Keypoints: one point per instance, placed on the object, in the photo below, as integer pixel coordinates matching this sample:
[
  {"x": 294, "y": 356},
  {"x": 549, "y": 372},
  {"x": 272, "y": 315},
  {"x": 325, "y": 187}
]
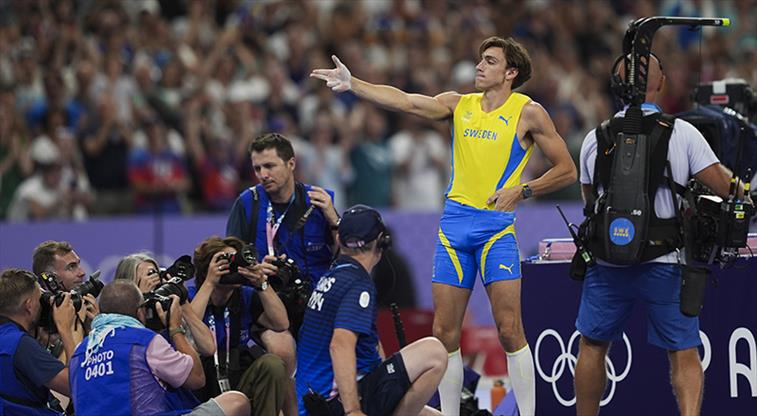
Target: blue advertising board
[{"x": 638, "y": 374}]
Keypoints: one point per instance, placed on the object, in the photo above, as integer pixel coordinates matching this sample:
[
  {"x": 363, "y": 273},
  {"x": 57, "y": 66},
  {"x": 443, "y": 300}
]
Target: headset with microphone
[{"x": 384, "y": 238}]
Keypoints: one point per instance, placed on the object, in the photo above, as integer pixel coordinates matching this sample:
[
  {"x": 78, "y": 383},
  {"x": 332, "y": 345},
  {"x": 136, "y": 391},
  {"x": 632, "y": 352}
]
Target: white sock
[
  {"x": 520, "y": 367},
  {"x": 451, "y": 386}
]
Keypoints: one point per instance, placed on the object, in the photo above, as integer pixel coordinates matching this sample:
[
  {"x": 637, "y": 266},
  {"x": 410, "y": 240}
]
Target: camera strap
[
  {"x": 273, "y": 224},
  {"x": 222, "y": 375}
]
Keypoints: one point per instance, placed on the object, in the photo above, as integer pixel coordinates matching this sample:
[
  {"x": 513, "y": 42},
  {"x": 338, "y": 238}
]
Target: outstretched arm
[{"x": 340, "y": 79}]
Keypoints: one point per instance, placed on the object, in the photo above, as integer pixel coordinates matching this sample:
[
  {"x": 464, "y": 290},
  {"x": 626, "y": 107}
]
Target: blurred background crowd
[{"x": 144, "y": 106}]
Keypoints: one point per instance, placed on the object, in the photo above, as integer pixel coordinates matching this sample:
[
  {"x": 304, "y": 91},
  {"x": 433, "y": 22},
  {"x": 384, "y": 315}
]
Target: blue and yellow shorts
[{"x": 473, "y": 240}]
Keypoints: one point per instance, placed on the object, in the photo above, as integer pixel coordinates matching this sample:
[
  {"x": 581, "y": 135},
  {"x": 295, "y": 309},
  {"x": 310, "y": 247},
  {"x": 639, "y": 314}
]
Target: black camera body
[
  {"x": 245, "y": 258},
  {"x": 161, "y": 294},
  {"x": 53, "y": 291},
  {"x": 718, "y": 228},
  {"x": 182, "y": 269},
  {"x": 293, "y": 289},
  {"x": 287, "y": 273}
]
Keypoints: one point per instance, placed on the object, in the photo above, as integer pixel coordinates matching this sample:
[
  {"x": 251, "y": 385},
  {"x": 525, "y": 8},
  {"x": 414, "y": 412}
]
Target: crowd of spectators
[{"x": 147, "y": 106}]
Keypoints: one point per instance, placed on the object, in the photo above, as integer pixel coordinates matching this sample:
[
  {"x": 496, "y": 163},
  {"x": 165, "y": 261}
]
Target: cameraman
[
  {"x": 610, "y": 290},
  {"x": 338, "y": 351},
  {"x": 230, "y": 310},
  {"x": 27, "y": 370},
  {"x": 132, "y": 365},
  {"x": 144, "y": 271},
  {"x": 278, "y": 216}
]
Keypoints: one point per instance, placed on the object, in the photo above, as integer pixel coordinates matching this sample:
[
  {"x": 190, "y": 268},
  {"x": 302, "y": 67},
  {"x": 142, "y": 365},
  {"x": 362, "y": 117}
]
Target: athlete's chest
[{"x": 478, "y": 129}]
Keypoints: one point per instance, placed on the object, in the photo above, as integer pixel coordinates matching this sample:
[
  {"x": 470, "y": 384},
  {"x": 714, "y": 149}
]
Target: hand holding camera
[
  {"x": 63, "y": 313},
  {"x": 90, "y": 308},
  {"x": 172, "y": 285},
  {"x": 257, "y": 275},
  {"x": 240, "y": 266},
  {"x": 149, "y": 282},
  {"x": 53, "y": 294},
  {"x": 175, "y": 312},
  {"x": 218, "y": 268}
]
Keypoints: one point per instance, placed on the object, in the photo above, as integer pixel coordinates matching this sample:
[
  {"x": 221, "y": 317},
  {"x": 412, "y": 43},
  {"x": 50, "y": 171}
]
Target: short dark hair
[
  {"x": 44, "y": 254},
  {"x": 15, "y": 286},
  {"x": 276, "y": 141},
  {"x": 204, "y": 253},
  {"x": 516, "y": 55},
  {"x": 121, "y": 297}
]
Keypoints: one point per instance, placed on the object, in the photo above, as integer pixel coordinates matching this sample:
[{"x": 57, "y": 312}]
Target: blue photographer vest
[
  {"x": 309, "y": 246},
  {"x": 112, "y": 375},
  {"x": 15, "y": 397}
]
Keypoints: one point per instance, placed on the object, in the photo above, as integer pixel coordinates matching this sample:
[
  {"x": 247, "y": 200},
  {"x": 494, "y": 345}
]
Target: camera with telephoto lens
[
  {"x": 181, "y": 270},
  {"x": 53, "y": 291},
  {"x": 245, "y": 258},
  {"x": 293, "y": 290}
]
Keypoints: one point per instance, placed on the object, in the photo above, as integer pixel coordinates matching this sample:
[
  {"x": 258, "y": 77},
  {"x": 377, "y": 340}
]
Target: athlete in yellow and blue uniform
[
  {"x": 486, "y": 156},
  {"x": 494, "y": 134}
]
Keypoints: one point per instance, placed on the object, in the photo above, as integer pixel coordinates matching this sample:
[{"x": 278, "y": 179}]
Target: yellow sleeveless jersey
[{"x": 486, "y": 154}]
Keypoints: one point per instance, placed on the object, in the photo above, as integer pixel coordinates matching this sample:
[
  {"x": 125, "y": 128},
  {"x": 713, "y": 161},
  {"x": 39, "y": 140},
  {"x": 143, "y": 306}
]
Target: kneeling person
[
  {"x": 338, "y": 351},
  {"x": 123, "y": 368}
]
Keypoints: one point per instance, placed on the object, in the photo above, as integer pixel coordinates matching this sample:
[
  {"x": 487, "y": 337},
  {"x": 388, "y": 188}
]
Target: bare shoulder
[
  {"x": 449, "y": 99},
  {"x": 535, "y": 119},
  {"x": 533, "y": 112}
]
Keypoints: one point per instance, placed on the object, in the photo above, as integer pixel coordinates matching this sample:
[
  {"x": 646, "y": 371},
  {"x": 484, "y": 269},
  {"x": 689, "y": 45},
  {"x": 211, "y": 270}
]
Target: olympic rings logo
[{"x": 567, "y": 357}]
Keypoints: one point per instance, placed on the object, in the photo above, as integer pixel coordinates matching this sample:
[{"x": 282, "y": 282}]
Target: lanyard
[
  {"x": 272, "y": 224},
  {"x": 212, "y": 325}
]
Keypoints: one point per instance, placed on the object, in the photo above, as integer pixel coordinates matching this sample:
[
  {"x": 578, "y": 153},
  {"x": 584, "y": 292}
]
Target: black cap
[{"x": 359, "y": 226}]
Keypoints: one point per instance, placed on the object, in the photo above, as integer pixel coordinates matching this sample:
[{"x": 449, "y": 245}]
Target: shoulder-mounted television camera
[{"x": 718, "y": 227}]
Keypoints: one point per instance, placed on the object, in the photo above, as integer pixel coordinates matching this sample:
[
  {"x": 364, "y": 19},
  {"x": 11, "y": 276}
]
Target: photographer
[
  {"x": 338, "y": 351},
  {"x": 230, "y": 310},
  {"x": 123, "y": 368},
  {"x": 141, "y": 269},
  {"x": 611, "y": 289},
  {"x": 278, "y": 216},
  {"x": 144, "y": 271},
  {"x": 59, "y": 257},
  {"x": 28, "y": 372}
]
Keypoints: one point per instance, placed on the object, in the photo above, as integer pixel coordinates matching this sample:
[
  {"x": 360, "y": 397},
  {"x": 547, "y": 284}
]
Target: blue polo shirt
[{"x": 345, "y": 297}]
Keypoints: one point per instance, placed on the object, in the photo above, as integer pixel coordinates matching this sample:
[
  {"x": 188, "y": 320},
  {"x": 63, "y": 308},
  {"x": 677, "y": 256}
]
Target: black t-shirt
[{"x": 279, "y": 208}]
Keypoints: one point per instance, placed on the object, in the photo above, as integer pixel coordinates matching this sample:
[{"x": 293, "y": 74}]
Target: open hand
[{"x": 338, "y": 79}]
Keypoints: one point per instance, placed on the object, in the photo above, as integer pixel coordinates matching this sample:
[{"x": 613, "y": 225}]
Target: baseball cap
[{"x": 360, "y": 225}]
